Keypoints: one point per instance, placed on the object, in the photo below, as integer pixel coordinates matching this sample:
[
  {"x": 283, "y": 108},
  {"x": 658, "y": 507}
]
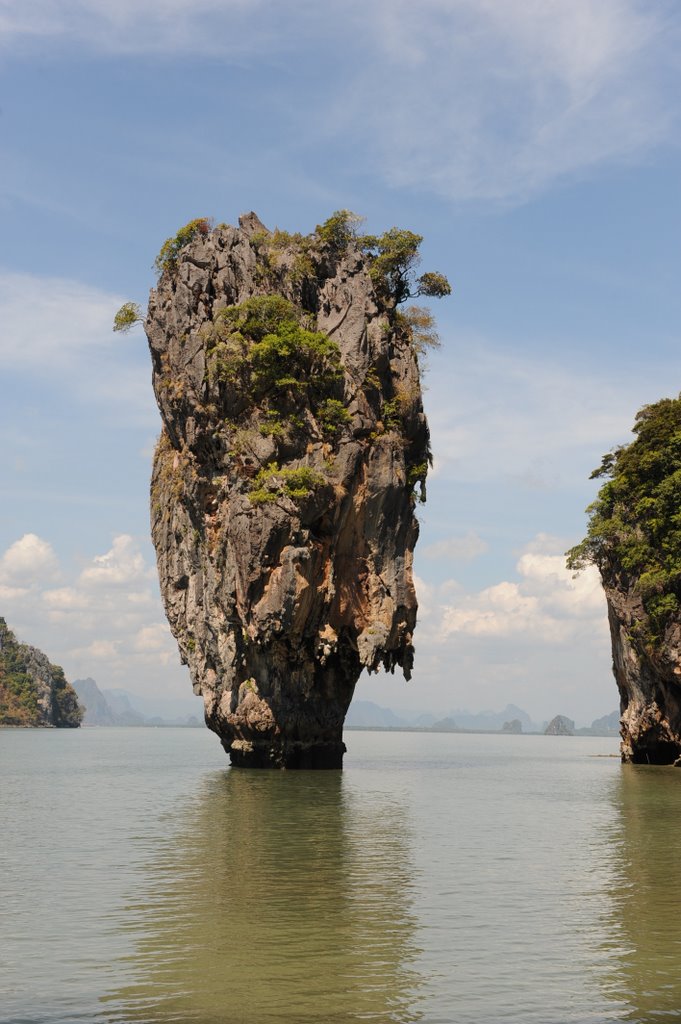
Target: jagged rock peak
[
  {"x": 294, "y": 447},
  {"x": 33, "y": 691}
]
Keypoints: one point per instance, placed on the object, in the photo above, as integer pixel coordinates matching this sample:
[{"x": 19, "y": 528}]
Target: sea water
[{"x": 438, "y": 878}]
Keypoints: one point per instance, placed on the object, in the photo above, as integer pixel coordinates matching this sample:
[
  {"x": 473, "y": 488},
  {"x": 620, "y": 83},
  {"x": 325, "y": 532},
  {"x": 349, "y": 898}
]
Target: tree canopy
[
  {"x": 634, "y": 529},
  {"x": 393, "y": 257}
]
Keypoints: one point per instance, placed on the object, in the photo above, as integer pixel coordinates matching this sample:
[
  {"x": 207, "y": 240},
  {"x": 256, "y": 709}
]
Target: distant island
[
  {"x": 121, "y": 709},
  {"x": 512, "y": 720},
  {"x": 34, "y": 693}
]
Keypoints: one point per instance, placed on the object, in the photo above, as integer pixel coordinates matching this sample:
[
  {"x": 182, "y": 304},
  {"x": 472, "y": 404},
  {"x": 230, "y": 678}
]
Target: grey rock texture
[
  {"x": 648, "y": 678},
  {"x": 278, "y": 606}
]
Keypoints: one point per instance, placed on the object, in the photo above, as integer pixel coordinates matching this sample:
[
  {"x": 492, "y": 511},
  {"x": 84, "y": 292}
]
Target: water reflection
[
  {"x": 645, "y": 903},
  {"x": 281, "y": 897}
]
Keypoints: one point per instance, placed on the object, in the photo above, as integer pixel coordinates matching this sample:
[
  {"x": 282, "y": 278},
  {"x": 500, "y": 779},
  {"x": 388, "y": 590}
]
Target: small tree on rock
[{"x": 127, "y": 316}]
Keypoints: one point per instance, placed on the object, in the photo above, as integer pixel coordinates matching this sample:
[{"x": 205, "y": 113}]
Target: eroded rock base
[
  {"x": 290, "y": 756},
  {"x": 645, "y": 742},
  {"x": 650, "y": 694}
]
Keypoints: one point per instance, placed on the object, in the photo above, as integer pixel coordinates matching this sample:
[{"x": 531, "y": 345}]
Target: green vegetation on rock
[
  {"x": 273, "y": 483},
  {"x": 634, "y": 532},
  {"x": 167, "y": 257},
  {"x": 273, "y": 375},
  {"x": 393, "y": 257},
  {"x": 127, "y": 316},
  {"x": 265, "y": 349},
  {"x": 33, "y": 692}
]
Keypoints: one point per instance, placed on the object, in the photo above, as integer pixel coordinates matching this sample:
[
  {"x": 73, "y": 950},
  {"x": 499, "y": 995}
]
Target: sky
[{"x": 535, "y": 146}]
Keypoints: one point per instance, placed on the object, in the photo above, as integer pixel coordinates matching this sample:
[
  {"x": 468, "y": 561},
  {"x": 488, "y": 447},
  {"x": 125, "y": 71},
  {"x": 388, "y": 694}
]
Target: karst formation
[
  {"x": 634, "y": 538},
  {"x": 293, "y": 451}
]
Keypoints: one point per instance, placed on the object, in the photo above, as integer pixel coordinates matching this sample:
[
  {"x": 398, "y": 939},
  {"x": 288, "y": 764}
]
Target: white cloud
[
  {"x": 496, "y": 100},
  {"x": 122, "y": 565},
  {"x": 105, "y": 621},
  {"x": 547, "y": 605},
  {"x": 66, "y": 599},
  {"x": 472, "y": 99},
  {"x": 463, "y": 549},
  {"x": 152, "y": 638},
  {"x": 537, "y": 638},
  {"x": 10, "y": 594},
  {"x": 49, "y": 321},
  {"x": 156, "y": 643},
  {"x": 497, "y": 415},
  {"x": 28, "y": 560},
  {"x": 62, "y": 330},
  {"x": 160, "y": 26},
  {"x": 98, "y": 650}
]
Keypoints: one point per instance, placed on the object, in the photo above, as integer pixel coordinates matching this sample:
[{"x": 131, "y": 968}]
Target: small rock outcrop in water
[
  {"x": 560, "y": 726},
  {"x": 33, "y": 692},
  {"x": 294, "y": 447},
  {"x": 634, "y": 538}
]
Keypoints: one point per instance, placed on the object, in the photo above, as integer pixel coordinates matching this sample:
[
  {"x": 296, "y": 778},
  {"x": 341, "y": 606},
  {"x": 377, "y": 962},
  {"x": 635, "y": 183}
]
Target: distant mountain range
[
  {"x": 122, "y": 708},
  {"x": 364, "y": 714}
]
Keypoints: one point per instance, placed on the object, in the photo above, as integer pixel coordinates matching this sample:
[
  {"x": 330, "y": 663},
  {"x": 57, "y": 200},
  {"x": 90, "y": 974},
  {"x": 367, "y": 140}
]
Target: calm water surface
[{"x": 439, "y": 878}]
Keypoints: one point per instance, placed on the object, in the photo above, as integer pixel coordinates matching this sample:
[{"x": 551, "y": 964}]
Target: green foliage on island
[
  {"x": 392, "y": 256},
  {"x": 339, "y": 230},
  {"x": 274, "y": 375},
  {"x": 20, "y": 690},
  {"x": 265, "y": 349},
  {"x": 331, "y": 415},
  {"x": 634, "y": 532}
]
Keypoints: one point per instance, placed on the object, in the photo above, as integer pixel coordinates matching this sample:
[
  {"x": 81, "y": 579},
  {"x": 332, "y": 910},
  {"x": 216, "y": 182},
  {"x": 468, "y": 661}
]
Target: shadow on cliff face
[
  {"x": 642, "y": 916},
  {"x": 285, "y": 897}
]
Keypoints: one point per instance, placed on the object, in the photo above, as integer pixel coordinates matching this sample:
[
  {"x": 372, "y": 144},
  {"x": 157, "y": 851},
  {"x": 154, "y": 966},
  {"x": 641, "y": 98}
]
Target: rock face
[
  {"x": 33, "y": 692},
  {"x": 648, "y": 678},
  {"x": 283, "y": 488}
]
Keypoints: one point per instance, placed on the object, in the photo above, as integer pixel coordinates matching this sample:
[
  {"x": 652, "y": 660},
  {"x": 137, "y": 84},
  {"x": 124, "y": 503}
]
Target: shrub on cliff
[
  {"x": 167, "y": 257},
  {"x": 393, "y": 257},
  {"x": 272, "y": 483},
  {"x": 634, "y": 532},
  {"x": 264, "y": 346},
  {"x": 127, "y": 316}
]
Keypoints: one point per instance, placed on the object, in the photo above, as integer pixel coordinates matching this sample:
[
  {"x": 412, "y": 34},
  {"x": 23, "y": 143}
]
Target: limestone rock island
[
  {"x": 634, "y": 538},
  {"x": 293, "y": 450},
  {"x": 33, "y": 692}
]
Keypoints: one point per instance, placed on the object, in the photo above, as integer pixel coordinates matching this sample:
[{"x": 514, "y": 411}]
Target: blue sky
[{"x": 533, "y": 143}]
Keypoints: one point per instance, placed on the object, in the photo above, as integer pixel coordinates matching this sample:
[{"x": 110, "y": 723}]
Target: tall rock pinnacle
[
  {"x": 294, "y": 447},
  {"x": 634, "y": 539}
]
